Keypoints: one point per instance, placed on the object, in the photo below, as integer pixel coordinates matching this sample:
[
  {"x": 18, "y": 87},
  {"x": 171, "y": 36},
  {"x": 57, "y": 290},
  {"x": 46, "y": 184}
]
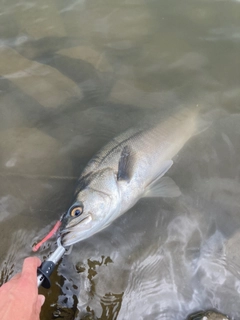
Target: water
[{"x": 75, "y": 74}]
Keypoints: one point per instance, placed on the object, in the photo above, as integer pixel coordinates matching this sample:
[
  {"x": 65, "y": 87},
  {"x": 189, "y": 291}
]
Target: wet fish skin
[{"x": 127, "y": 168}]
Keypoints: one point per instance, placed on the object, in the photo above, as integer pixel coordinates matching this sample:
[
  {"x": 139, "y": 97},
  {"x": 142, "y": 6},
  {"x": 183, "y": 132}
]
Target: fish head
[{"x": 94, "y": 206}]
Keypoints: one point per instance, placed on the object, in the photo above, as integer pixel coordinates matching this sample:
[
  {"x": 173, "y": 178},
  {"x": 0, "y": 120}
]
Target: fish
[{"x": 131, "y": 166}]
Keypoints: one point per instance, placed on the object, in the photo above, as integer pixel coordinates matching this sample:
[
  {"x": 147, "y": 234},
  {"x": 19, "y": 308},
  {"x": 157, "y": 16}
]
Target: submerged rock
[
  {"x": 108, "y": 24},
  {"x": 207, "y": 315},
  {"x": 43, "y": 83},
  {"x": 39, "y": 19},
  {"x": 96, "y": 58},
  {"x": 127, "y": 92},
  {"x": 94, "y": 84},
  {"x": 43, "y": 47},
  {"x": 30, "y": 151},
  {"x": 11, "y": 114},
  {"x": 10, "y": 206}
]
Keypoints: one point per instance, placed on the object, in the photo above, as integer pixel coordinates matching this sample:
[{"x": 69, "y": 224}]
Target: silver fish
[{"x": 129, "y": 167}]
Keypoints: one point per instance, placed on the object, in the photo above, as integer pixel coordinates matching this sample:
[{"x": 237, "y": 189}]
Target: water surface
[{"x": 73, "y": 75}]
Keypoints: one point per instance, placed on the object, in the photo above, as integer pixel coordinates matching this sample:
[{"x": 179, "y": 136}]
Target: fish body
[{"x": 129, "y": 167}]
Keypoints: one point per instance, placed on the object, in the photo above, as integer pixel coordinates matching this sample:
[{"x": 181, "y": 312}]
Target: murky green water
[{"x": 73, "y": 75}]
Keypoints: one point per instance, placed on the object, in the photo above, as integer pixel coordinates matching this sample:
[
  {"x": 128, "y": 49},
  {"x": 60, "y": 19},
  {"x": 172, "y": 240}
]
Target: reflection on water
[{"x": 74, "y": 74}]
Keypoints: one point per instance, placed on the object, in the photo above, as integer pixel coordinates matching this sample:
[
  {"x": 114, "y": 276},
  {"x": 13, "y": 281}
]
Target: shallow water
[{"x": 73, "y": 75}]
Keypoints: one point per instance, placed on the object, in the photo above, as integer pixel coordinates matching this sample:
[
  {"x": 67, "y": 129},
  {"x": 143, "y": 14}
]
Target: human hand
[{"x": 19, "y": 298}]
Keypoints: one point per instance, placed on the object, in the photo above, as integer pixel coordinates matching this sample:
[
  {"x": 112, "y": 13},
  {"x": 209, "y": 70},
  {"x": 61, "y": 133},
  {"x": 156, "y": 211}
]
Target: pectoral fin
[
  {"x": 165, "y": 187},
  {"x": 125, "y": 165},
  {"x": 162, "y": 186}
]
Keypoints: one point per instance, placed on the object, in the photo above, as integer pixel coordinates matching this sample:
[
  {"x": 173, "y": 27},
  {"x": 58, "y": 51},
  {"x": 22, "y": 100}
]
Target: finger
[
  {"x": 30, "y": 265},
  {"x": 29, "y": 271}
]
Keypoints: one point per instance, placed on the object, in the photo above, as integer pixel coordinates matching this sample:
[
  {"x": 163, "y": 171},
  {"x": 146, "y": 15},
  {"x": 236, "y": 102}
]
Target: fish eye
[{"x": 75, "y": 212}]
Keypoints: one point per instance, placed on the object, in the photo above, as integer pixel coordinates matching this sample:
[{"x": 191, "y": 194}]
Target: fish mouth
[
  {"x": 83, "y": 220},
  {"x": 77, "y": 231},
  {"x": 76, "y": 226}
]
